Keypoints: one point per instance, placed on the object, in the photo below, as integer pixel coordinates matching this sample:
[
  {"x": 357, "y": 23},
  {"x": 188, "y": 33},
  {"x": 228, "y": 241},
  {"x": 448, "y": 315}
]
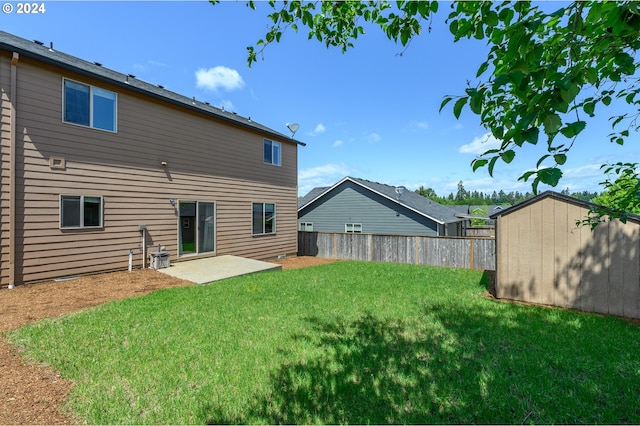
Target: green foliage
[
  {"x": 546, "y": 71},
  {"x": 479, "y": 198},
  {"x": 621, "y": 196},
  {"x": 479, "y": 211},
  {"x": 429, "y": 193}
]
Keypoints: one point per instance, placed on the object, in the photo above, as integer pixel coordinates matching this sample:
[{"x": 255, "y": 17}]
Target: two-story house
[{"x": 96, "y": 164}]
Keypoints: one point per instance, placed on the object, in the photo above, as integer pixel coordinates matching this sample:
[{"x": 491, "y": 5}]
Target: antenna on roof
[{"x": 293, "y": 128}]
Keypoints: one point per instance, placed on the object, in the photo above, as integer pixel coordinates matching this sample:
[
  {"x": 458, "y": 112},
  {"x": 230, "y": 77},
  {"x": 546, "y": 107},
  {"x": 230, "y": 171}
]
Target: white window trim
[
  {"x": 273, "y": 143},
  {"x": 82, "y": 226},
  {"x": 304, "y": 225},
  {"x": 275, "y": 213},
  {"x": 90, "y": 126},
  {"x": 353, "y": 227}
]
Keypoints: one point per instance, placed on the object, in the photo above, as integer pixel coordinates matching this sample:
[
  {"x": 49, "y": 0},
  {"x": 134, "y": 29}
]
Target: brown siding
[
  {"x": 5, "y": 129},
  {"x": 544, "y": 257},
  {"x": 208, "y": 160}
]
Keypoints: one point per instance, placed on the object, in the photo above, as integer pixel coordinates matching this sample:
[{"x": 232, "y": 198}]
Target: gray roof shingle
[{"x": 418, "y": 203}]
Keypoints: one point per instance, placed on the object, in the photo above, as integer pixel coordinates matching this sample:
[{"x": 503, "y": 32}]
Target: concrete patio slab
[{"x": 217, "y": 268}]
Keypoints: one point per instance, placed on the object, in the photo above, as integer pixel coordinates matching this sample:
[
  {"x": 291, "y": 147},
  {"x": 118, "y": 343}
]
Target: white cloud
[
  {"x": 586, "y": 171},
  {"x": 226, "y": 104},
  {"x": 374, "y": 137},
  {"x": 586, "y": 177},
  {"x": 324, "y": 175},
  {"x": 319, "y": 129},
  {"x": 480, "y": 144},
  {"x": 338, "y": 143},
  {"x": 422, "y": 125},
  {"x": 139, "y": 68},
  {"x": 219, "y": 77},
  {"x": 143, "y": 68},
  {"x": 157, "y": 64}
]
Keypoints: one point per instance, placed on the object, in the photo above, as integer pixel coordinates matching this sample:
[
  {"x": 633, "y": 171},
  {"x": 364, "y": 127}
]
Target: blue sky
[{"x": 369, "y": 113}]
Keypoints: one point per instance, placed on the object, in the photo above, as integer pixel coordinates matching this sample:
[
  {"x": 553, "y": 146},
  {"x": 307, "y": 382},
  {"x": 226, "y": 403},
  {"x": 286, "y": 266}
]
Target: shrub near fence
[{"x": 455, "y": 252}]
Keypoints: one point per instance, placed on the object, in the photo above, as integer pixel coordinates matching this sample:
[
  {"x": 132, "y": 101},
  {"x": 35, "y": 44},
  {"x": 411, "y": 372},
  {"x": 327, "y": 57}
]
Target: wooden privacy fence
[
  {"x": 455, "y": 252},
  {"x": 481, "y": 231}
]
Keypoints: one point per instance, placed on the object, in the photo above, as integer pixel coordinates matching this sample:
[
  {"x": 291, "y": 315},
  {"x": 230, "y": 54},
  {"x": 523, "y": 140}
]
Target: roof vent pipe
[{"x": 50, "y": 46}]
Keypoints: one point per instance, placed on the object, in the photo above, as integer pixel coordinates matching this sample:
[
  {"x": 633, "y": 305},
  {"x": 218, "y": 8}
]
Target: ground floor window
[
  {"x": 355, "y": 228},
  {"x": 263, "y": 218},
  {"x": 197, "y": 227},
  {"x": 80, "y": 211},
  {"x": 306, "y": 226}
]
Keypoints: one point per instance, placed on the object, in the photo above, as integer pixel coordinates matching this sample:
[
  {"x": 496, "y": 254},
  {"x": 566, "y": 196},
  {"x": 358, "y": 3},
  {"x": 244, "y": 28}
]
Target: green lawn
[{"x": 350, "y": 342}]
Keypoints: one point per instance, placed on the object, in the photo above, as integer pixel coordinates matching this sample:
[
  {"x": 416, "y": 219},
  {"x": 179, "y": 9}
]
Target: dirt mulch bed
[{"x": 33, "y": 393}]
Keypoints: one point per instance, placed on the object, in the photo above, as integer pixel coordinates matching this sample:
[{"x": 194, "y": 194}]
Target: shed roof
[
  {"x": 40, "y": 52},
  {"x": 556, "y": 196},
  {"x": 422, "y": 205}
]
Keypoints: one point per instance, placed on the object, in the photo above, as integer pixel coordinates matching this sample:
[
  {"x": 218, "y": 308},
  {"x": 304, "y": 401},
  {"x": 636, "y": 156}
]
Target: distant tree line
[{"x": 477, "y": 198}]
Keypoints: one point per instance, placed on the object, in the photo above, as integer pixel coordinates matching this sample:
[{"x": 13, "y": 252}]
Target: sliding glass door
[{"x": 196, "y": 227}]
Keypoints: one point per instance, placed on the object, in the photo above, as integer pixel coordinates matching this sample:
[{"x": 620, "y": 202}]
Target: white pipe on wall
[{"x": 144, "y": 248}]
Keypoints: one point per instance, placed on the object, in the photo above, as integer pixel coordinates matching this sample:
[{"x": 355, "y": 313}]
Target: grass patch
[
  {"x": 188, "y": 247},
  {"x": 350, "y": 342}
]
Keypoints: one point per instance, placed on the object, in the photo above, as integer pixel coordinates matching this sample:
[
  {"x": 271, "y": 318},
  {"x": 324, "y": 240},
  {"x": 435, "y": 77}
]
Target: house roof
[
  {"x": 311, "y": 195},
  {"x": 557, "y": 196},
  {"x": 409, "y": 199},
  {"x": 48, "y": 55}
]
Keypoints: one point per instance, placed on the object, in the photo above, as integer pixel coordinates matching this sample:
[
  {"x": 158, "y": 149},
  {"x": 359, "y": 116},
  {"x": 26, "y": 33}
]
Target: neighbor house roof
[
  {"x": 557, "y": 196},
  {"x": 409, "y": 199},
  {"x": 47, "y": 54},
  {"x": 312, "y": 195}
]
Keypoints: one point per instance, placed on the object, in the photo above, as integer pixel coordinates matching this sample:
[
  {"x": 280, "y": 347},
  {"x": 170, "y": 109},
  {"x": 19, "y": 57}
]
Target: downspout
[{"x": 12, "y": 170}]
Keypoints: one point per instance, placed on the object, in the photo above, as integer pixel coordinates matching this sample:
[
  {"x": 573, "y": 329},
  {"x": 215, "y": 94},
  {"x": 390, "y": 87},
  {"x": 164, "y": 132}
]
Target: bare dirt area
[{"x": 33, "y": 393}]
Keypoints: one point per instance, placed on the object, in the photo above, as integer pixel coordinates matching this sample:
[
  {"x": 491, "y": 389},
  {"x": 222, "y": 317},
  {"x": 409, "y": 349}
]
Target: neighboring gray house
[{"x": 361, "y": 206}]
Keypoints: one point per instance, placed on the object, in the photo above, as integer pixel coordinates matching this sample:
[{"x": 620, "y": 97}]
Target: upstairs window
[
  {"x": 89, "y": 106},
  {"x": 264, "y": 218},
  {"x": 272, "y": 152},
  {"x": 80, "y": 211}
]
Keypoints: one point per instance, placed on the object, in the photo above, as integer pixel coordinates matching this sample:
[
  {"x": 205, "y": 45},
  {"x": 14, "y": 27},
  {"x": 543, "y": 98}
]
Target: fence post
[
  {"x": 471, "y": 254},
  {"x": 370, "y": 254}
]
